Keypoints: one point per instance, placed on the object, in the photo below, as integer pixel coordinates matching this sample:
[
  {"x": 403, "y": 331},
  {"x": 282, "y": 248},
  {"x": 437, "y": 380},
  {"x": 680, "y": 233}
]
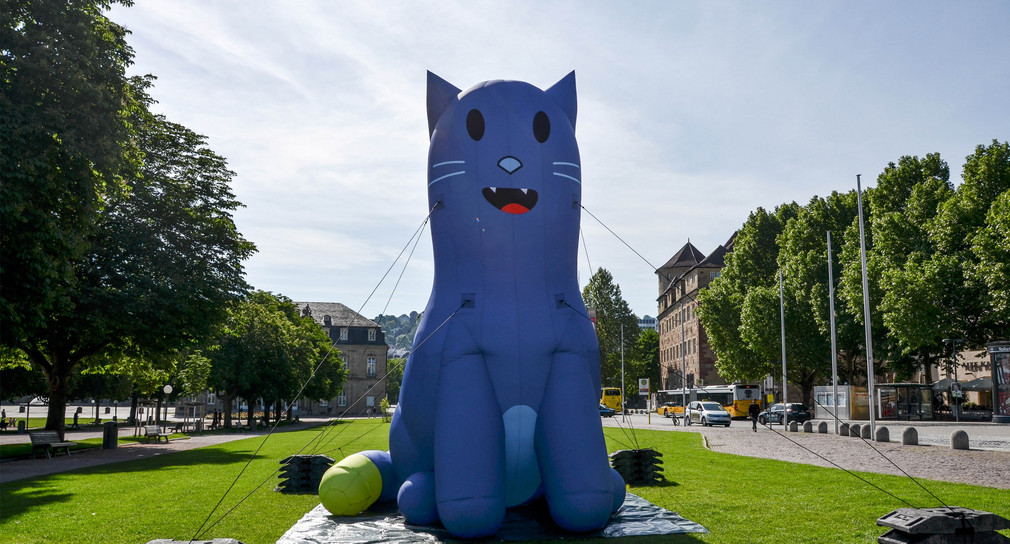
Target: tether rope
[
  {"x": 832, "y": 463},
  {"x": 200, "y": 530},
  {"x": 868, "y": 443}
]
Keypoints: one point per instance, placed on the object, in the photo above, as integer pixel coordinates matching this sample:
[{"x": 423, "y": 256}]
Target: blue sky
[{"x": 691, "y": 115}]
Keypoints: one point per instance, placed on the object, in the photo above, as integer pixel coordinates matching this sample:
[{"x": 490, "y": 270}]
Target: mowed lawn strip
[
  {"x": 739, "y": 499},
  {"x": 170, "y": 496}
]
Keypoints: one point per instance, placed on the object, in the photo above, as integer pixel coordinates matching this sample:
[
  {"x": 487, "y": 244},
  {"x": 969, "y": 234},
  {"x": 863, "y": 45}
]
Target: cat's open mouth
[{"x": 517, "y": 201}]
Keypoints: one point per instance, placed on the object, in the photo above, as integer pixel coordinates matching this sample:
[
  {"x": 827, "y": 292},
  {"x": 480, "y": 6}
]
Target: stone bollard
[
  {"x": 883, "y": 435},
  {"x": 865, "y": 432},
  {"x": 822, "y": 427},
  {"x": 808, "y": 427},
  {"x": 854, "y": 430},
  {"x": 843, "y": 429},
  {"x": 910, "y": 437},
  {"x": 793, "y": 426},
  {"x": 959, "y": 440}
]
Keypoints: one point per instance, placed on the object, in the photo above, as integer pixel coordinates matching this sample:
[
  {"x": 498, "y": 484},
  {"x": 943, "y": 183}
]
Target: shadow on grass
[{"x": 23, "y": 495}]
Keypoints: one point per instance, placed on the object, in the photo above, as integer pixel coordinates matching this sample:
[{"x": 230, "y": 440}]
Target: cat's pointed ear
[
  {"x": 563, "y": 92},
  {"x": 441, "y": 93}
]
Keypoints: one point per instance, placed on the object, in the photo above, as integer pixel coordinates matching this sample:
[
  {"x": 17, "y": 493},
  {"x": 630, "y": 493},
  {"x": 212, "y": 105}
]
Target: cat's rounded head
[{"x": 504, "y": 147}]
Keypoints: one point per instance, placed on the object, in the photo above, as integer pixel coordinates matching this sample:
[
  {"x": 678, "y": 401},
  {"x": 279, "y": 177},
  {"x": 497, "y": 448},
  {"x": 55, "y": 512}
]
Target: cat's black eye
[
  {"x": 541, "y": 127},
  {"x": 475, "y": 125}
]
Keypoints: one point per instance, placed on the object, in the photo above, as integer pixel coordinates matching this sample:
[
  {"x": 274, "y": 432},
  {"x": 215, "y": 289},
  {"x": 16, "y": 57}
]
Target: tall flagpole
[
  {"x": 624, "y": 401},
  {"x": 683, "y": 370},
  {"x": 782, "y": 322},
  {"x": 866, "y": 314},
  {"x": 834, "y": 350}
]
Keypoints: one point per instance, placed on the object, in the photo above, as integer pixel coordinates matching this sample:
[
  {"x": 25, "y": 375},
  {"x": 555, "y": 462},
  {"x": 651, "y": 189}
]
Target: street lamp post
[{"x": 168, "y": 391}]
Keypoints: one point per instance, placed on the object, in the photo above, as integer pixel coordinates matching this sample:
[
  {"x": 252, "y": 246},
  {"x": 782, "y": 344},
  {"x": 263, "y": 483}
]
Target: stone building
[
  {"x": 682, "y": 339},
  {"x": 363, "y": 348}
]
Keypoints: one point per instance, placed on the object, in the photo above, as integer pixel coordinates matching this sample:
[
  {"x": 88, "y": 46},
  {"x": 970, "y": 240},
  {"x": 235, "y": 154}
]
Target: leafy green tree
[
  {"x": 162, "y": 261},
  {"x": 985, "y": 178},
  {"x": 730, "y": 309},
  {"x": 612, "y": 311},
  {"x": 803, "y": 260},
  {"x": 65, "y": 141},
  {"x": 903, "y": 205},
  {"x": 645, "y": 358},
  {"x": 991, "y": 246},
  {"x": 18, "y": 377},
  {"x": 267, "y": 350},
  {"x": 394, "y": 378}
]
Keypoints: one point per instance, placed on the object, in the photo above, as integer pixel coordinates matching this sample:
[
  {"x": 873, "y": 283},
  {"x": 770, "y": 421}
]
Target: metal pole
[
  {"x": 782, "y": 323},
  {"x": 834, "y": 351},
  {"x": 683, "y": 373},
  {"x": 624, "y": 401},
  {"x": 866, "y": 314},
  {"x": 957, "y": 401}
]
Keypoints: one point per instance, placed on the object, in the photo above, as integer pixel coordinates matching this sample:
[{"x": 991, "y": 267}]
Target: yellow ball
[{"x": 350, "y": 486}]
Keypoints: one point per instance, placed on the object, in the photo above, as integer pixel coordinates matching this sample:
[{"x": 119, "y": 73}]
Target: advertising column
[{"x": 999, "y": 353}]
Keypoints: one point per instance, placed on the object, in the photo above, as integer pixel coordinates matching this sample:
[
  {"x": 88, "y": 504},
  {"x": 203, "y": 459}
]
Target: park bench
[
  {"x": 154, "y": 431},
  {"x": 49, "y": 441}
]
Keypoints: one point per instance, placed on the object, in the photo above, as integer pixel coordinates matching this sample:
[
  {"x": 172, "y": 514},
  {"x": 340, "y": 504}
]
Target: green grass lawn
[{"x": 739, "y": 499}]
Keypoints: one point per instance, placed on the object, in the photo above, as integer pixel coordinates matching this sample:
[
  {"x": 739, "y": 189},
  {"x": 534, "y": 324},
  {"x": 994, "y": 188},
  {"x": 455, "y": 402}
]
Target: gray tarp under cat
[{"x": 637, "y": 517}]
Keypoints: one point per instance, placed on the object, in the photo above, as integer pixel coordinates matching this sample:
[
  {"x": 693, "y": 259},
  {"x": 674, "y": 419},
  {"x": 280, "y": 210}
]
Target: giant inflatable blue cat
[{"x": 499, "y": 399}]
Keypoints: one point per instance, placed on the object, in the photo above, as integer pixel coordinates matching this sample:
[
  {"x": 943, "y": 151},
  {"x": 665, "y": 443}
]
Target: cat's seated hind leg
[
  {"x": 469, "y": 449},
  {"x": 578, "y": 481}
]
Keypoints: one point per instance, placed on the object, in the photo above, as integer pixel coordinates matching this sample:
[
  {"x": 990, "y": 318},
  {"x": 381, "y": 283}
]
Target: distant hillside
[{"x": 399, "y": 330}]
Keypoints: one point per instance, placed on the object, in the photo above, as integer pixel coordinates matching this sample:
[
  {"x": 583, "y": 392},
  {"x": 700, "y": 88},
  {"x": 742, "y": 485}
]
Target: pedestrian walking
[{"x": 753, "y": 410}]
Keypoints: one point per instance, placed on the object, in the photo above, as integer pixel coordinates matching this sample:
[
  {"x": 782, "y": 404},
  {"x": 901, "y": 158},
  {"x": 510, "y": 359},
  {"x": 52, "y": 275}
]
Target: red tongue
[{"x": 515, "y": 208}]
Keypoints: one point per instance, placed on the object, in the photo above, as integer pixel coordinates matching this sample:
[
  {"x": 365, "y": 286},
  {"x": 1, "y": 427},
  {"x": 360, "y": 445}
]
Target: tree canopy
[
  {"x": 937, "y": 268},
  {"x": 612, "y": 312},
  {"x": 267, "y": 350},
  {"x": 118, "y": 235}
]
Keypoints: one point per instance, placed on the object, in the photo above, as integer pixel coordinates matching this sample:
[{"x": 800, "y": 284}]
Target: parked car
[
  {"x": 707, "y": 413},
  {"x": 606, "y": 411},
  {"x": 795, "y": 412}
]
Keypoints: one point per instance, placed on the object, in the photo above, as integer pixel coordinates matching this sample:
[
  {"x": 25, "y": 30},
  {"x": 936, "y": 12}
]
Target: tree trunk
[
  {"x": 134, "y": 402},
  {"x": 226, "y": 400},
  {"x": 157, "y": 412},
  {"x": 56, "y": 420}
]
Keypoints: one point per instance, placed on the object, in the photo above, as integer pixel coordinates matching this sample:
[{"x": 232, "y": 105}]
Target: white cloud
[{"x": 691, "y": 114}]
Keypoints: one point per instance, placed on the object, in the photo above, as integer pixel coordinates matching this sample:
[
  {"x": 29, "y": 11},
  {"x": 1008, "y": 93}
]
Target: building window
[
  {"x": 346, "y": 367},
  {"x": 371, "y": 335},
  {"x": 370, "y": 369},
  {"x": 370, "y": 402},
  {"x": 343, "y": 334},
  {"x": 342, "y": 399}
]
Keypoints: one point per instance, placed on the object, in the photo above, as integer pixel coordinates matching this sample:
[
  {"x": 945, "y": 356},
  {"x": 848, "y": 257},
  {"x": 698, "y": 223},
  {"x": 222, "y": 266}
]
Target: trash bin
[
  {"x": 110, "y": 435},
  {"x": 21, "y": 427}
]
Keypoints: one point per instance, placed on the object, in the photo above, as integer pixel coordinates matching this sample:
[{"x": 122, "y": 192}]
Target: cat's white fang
[
  {"x": 494, "y": 189},
  {"x": 524, "y": 190}
]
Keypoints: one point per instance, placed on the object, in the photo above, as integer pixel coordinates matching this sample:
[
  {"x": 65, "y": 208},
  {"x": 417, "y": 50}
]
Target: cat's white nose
[{"x": 509, "y": 164}]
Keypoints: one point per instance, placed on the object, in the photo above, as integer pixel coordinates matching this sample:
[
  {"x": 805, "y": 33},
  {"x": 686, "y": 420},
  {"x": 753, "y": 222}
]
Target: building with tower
[{"x": 684, "y": 351}]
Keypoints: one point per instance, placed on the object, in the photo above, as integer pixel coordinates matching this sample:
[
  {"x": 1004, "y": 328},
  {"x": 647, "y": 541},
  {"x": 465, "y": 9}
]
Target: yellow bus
[
  {"x": 735, "y": 398},
  {"x": 611, "y": 397}
]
